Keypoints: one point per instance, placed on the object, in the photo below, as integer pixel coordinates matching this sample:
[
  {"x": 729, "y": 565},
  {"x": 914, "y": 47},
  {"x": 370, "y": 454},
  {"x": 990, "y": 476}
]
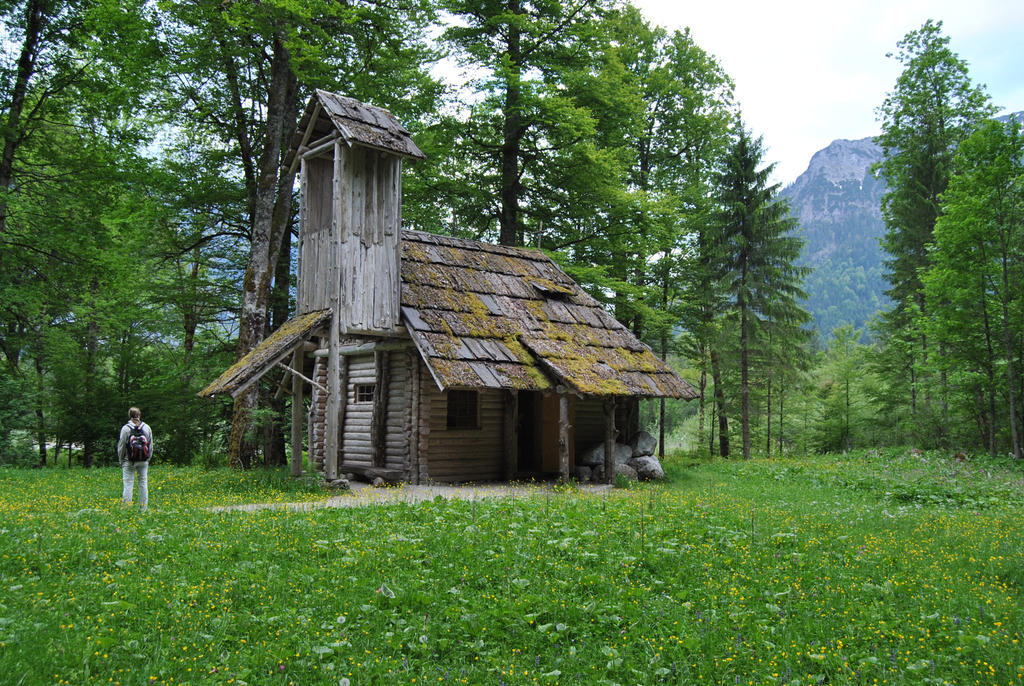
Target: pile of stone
[{"x": 636, "y": 461}]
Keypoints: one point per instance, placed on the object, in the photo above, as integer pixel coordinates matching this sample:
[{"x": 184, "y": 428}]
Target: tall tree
[
  {"x": 759, "y": 251},
  {"x": 521, "y": 47},
  {"x": 933, "y": 107},
  {"x": 977, "y": 266}
]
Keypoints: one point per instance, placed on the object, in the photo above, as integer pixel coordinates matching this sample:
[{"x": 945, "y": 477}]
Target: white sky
[{"x": 810, "y": 71}]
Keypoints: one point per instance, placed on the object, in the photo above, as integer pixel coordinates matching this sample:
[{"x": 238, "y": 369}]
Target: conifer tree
[
  {"x": 933, "y": 107},
  {"x": 758, "y": 256}
]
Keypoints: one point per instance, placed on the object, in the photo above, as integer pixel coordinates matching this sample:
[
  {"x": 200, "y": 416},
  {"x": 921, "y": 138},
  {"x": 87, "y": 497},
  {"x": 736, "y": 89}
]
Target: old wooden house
[{"x": 434, "y": 358}]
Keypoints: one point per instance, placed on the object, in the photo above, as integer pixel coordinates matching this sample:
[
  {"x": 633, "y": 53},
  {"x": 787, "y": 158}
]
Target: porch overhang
[{"x": 265, "y": 356}]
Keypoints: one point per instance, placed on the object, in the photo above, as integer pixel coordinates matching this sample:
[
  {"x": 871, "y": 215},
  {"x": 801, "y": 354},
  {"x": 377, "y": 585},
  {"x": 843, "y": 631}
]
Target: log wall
[
  {"x": 318, "y": 415},
  {"x": 356, "y": 445}
]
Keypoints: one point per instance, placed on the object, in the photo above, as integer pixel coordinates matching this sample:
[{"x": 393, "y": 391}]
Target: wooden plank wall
[
  {"x": 315, "y": 245},
  {"x": 466, "y": 454},
  {"x": 370, "y": 215},
  {"x": 355, "y": 450}
]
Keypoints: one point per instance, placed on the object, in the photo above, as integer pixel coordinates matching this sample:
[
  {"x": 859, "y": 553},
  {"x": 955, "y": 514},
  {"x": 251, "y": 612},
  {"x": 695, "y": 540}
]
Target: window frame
[
  {"x": 360, "y": 391},
  {"x": 460, "y": 416}
]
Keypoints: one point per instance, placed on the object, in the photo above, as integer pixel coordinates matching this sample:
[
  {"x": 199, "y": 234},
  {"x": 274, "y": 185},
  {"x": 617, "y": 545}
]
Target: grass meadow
[{"x": 884, "y": 568}]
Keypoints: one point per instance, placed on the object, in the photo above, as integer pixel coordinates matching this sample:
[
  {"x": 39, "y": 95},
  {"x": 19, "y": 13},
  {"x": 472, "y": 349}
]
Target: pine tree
[{"x": 758, "y": 250}]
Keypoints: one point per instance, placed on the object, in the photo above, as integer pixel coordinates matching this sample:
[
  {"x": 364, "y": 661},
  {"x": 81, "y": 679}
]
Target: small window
[
  {"x": 463, "y": 410},
  {"x": 364, "y": 392}
]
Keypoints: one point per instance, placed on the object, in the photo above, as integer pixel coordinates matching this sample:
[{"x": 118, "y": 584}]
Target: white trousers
[{"x": 128, "y": 472}]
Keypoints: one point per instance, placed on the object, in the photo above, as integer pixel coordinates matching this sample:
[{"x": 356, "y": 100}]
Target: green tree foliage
[
  {"x": 842, "y": 402},
  {"x": 974, "y": 281},
  {"x": 522, "y": 119},
  {"x": 933, "y": 107}
]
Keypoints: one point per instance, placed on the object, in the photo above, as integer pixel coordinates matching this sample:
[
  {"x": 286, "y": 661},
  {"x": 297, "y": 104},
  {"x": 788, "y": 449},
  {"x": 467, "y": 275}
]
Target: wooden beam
[
  {"x": 296, "y": 465},
  {"x": 298, "y": 355},
  {"x": 335, "y": 400},
  {"x": 256, "y": 377},
  {"x": 609, "y": 440},
  {"x": 563, "y": 436},
  {"x": 511, "y": 421},
  {"x": 372, "y": 347},
  {"x": 305, "y": 136},
  {"x": 320, "y": 149},
  {"x": 282, "y": 385}
]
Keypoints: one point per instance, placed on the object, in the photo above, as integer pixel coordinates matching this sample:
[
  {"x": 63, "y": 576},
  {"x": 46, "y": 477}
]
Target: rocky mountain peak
[{"x": 845, "y": 160}]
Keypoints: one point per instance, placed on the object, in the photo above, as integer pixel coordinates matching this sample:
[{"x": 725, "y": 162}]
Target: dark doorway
[{"x": 537, "y": 432}]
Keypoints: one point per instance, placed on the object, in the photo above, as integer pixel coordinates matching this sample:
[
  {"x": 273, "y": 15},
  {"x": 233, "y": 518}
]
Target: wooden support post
[
  {"x": 563, "y": 435},
  {"x": 423, "y": 382},
  {"x": 335, "y": 401},
  {"x": 336, "y": 396},
  {"x": 414, "y": 417},
  {"x": 378, "y": 425},
  {"x": 511, "y": 421},
  {"x": 609, "y": 440},
  {"x": 297, "y": 414}
]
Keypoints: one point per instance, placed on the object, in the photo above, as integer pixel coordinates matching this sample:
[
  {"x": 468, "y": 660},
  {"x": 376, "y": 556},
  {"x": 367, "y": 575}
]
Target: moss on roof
[{"x": 261, "y": 358}]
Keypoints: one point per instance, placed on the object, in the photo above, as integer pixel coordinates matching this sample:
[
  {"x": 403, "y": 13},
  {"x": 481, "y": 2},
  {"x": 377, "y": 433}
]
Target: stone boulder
[
  {"x": 592, "y": 457},
  {"x": 595, "y": 456},
  {"x": 626, "y": 471},
  {"x": 583, "y": 473},
  {"x": 643, "y": 444},
  {"x": 647, "y": 467},
  {"x": 341, "y": 484}
]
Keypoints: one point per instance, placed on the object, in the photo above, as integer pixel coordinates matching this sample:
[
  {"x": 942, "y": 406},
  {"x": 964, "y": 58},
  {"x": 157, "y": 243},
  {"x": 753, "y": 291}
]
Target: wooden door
[{"x": 548, "y": 434}]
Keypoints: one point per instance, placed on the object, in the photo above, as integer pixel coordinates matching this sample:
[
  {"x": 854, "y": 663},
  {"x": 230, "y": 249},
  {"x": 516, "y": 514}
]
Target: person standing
[{"x": 134, "y": 450}]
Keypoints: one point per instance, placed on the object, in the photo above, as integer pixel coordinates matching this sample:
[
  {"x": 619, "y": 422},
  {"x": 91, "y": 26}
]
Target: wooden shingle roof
[
  {"x": 267, "y": 354},
  {"x": 487, "y": 316},
  {"x": 356, "y": 123}
]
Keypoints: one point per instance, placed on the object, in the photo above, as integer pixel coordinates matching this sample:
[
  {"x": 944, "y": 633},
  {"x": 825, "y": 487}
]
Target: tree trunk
[
  {"x": 702, "y": 408},
  {"x": 512, "y": 135},
  {"x": 990, "y": 370},
  {"x": 191, "y": 316},
  {"x": 782, "y": 398},
  {"x": 661, "y": 405},
  {"x": 1008, "y": 336},
  {"x": 92, "y": 344},
  {"x": 744, "y": 377},
  {"x": 13, "y": 132},
  {"x": 723, "y": 418},
  {"x": 270, "y": 217},
  {"x": 274, "y": 449},
  {"x": 768, "y": 423},
  {"x": 40, "y": 415}
]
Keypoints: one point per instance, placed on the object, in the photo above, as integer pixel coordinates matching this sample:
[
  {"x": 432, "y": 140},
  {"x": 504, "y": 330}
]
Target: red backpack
[{"x": 138, "y": 444}]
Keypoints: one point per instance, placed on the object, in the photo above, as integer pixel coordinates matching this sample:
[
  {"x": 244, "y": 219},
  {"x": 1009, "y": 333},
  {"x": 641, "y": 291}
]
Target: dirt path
[{"x": 363, "y": 494}]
